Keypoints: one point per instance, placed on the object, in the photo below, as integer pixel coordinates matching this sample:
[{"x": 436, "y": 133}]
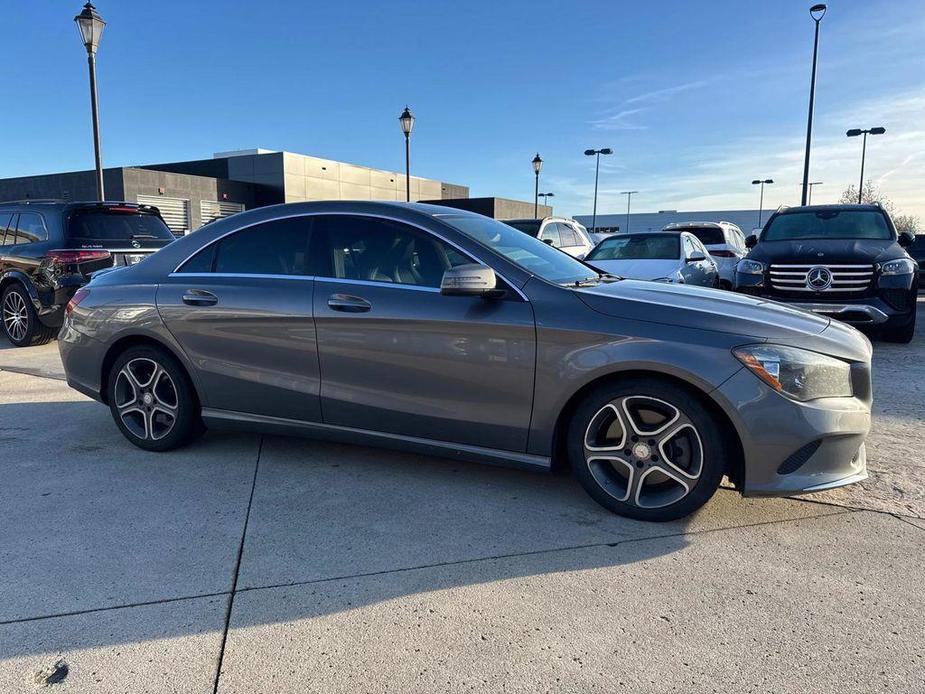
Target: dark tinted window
[
  {"x": 5, "y": 221},
  {"x": 642, "y": 247},
  {"x": 380, "y": 250},
  {"x": 528, "y": 227},
  {"x": 707, "y": 235},
  {"x": 828, "y": 224},
  {"x": 202, "y": 261},
  {"x": 31, "y": 228},
  {"x": 101, "y": 225},
  {"x": 279, "y": 247}
]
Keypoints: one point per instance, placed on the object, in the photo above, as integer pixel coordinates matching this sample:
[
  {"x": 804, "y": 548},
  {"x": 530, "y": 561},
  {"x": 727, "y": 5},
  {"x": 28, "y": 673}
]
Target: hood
[
  {"x": 827, "y": 251},
  {"x": 638, "y": 269},
  {"x": 700, "y": 308}
]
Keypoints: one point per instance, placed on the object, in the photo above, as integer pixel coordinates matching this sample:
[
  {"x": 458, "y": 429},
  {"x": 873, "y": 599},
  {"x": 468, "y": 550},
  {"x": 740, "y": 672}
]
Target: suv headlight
[
  {"x": 797, "y": 373},
  {"x": 901, "y": 266},
  {"x": 750, "y": 267}
]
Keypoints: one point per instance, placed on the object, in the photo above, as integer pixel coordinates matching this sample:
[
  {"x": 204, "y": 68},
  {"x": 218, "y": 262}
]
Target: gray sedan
[{"x": 448, "y": 333}]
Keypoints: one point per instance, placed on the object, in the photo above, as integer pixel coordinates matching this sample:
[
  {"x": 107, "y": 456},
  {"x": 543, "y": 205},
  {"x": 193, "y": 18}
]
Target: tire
[
  {"x": 21, "y": 323},
  {"x": 901, "y": 335},
  {"x": 152, "y": 400},
  {"x": 646, "y": 449}
]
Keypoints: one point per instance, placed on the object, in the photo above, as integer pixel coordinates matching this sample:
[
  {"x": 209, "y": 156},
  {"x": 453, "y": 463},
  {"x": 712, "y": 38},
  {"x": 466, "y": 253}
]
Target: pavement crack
[{"x": 237, "y": 571}]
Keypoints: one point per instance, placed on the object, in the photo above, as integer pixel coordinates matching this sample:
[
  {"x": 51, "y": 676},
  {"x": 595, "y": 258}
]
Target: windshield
[
  {"x": 648, "y": 247},
  {"x": 709, "y": 236},
  {"x": 117, "y": 226},
  {"x": 528, "y": 227},
  {"x": 828, "y": 224},
  {"x": 528, "y": 252}
]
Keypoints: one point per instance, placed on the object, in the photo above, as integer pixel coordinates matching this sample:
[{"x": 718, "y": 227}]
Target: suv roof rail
[{"x": 33, "y": 201}]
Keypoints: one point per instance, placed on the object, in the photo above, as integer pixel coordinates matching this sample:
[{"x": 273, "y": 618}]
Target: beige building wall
[{"x": 308, "y": 178}]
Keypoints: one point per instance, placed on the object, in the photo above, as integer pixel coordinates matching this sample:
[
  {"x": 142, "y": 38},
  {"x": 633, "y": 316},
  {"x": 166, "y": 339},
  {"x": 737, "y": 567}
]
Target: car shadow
[{"x": 104, "y": 544}]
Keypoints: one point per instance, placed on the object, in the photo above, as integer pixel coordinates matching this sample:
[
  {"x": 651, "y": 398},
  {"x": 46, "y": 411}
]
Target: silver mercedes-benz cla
[{"x": 439, "y": 331}]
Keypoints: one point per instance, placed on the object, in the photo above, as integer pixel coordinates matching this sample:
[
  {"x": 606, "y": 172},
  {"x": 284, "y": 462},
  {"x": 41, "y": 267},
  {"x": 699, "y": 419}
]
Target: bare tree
[{"x": 871, "y": 193}]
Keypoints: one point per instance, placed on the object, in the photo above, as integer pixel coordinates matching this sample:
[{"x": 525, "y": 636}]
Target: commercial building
[
  {"x": 192, "y": 193},
  {"x": 499, "y": 208},
  {"x": 746, "y": 220}
]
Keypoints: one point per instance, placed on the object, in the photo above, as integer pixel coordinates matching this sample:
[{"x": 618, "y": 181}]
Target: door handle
[
  {"x": 199, "y": 297},
  {"x": 348, "y": 303}
]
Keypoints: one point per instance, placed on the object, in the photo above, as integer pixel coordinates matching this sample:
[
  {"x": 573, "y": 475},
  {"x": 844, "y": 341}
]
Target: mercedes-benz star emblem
[{"x": 819, "y": 278}]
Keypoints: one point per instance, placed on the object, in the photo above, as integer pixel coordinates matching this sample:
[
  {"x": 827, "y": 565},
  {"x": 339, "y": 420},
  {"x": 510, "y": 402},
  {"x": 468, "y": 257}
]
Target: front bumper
[{"x": 792, "y": 447}]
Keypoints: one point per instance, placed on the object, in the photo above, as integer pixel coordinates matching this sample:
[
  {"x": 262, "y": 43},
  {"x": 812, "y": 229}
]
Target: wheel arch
[
  {"x": 16, "y": 277},
  {"x": 736, "y": 463},
  {"x": 122, "y": 344}
]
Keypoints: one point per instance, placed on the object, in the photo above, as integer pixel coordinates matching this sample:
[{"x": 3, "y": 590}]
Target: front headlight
[
  {"x": 797, "y": 373},
  {"x": 750, "y": 267},
  {"x": 902, "y": 266}
]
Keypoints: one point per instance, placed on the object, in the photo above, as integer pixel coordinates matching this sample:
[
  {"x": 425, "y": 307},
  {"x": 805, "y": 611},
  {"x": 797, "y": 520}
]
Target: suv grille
[{"x": 821, "y": 278}]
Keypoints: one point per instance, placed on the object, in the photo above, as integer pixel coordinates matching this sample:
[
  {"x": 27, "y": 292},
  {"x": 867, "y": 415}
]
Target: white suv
[
  {"x": 725, "y": 242},
  {"x": 565, "y": 234}
]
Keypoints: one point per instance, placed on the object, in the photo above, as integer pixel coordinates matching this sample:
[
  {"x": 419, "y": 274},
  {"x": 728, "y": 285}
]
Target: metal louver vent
[{"x": 175, "y": 211}]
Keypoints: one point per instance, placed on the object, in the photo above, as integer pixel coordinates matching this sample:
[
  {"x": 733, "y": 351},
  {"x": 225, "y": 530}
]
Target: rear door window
[
  {"x": 31, "y": 228},
  {"x": 550, "y": 232},
  {"x": 568, "y": 236}
]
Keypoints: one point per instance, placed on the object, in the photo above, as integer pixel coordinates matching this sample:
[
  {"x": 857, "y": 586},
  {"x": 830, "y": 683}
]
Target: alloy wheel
[
  {"x": 15, "y": 316},
  {"x": 643, "y": 451},
  {"x": 146, "y": 399}
]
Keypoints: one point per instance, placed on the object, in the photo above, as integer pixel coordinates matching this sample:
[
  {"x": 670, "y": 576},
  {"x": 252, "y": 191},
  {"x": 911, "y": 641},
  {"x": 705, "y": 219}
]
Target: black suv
[
  {"x": 49, "y": 248},
  {"x": 843, "y": 261}
]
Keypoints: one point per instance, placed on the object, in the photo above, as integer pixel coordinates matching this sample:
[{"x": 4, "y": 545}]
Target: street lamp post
[
  {"x": 546, "y": 197},
  {"x": 406, "y": 120},
  {"x": 91, "y": 27},
  {"x": 817, "y": 12},
  {"x": 537, "y": 167},
  {"x": 629, "y": 196},
  {"x": 762, "y": 183},
  {"x": 854, "y": 132},
  {"x": 597, "y": 166},
  {"x": 811, "y": 184}
]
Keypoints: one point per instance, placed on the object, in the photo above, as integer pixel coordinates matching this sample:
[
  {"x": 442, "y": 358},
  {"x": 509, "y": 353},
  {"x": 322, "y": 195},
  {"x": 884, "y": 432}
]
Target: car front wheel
[
  {"x": 152, "y": 400},
  {"x": 646, "y": 449}
]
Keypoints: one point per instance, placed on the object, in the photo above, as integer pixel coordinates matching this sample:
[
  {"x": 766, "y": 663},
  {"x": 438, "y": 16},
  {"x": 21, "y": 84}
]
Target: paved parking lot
[{"x": 269, "y": 564}]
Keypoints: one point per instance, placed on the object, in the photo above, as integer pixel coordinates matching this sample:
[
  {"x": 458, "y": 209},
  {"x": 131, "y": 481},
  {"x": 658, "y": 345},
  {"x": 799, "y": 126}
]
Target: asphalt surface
[{"x": 265, "y": 564}]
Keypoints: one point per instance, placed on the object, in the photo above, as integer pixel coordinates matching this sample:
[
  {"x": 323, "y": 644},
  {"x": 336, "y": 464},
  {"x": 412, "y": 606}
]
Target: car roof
[{"x": 832, "y": 207}]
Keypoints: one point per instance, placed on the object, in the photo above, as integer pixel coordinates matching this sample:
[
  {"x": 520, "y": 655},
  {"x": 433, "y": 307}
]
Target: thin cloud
[
  {"x": 661, "y": 95},
  {"x": 622, "y": 120}
]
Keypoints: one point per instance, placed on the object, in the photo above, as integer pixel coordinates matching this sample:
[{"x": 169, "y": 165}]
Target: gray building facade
[
  {"x": 192, "y": 193},
  {"x": 499, "y": 208}
]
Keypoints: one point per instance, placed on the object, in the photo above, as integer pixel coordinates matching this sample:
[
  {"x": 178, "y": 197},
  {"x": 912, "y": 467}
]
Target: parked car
[
  {"x": 49, "y": 248},
  {"x": 448, "y": 333},
  {"x": 843, "y": 261},
  {"x": 663, "y": 257},
  {"x": 565, "y": 234},
  {"x": 917, "y": 251},
  {"x": 725, "y": 242}
]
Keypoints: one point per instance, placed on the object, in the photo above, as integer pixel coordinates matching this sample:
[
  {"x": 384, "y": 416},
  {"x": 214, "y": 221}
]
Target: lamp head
[
  {"x": 90, "y": 25},
  {"x": 817, "y": 12},
  {"x": 537, "y": 163},
  {"x": 406, "y": 120}
]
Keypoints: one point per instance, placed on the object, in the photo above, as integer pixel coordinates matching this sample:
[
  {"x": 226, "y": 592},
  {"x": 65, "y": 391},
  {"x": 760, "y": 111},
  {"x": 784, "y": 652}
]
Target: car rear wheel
[
  {"x": 152, "y": 400},
  {"x": 21, "y": 323},
  {"x": 646, "y": 449}
]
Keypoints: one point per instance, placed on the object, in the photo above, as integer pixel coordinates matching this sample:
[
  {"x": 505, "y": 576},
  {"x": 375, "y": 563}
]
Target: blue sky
[{"x": 697, "y": 98}]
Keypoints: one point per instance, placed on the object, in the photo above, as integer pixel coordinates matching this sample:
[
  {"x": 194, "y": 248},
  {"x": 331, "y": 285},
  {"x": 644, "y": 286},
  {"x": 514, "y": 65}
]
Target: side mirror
[
  {"x": 906, "y": 239},
  {"x": 696, "y": 257},
  {"x": 469, "y": 280},
  {"x": 549, "y": 241},
  {"x": 751, "y": 241}
]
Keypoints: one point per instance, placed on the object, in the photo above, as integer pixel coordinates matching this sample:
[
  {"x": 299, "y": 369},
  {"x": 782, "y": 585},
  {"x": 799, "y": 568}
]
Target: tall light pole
[
  {"x": 762, "y": 183},
  {"x": 811, "y": 184},
  {"x": 406, "y": 120},
  {"x": 537, "y": 167},
  {"x": 597, "y": 166},
  {"x": 817, "y": 12},
  {"x": 854, "y": 133},
  {"x": 91, "y": 27},
  {"x": 546, "y": 197},
  {"x": 629, "y": 196}
]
